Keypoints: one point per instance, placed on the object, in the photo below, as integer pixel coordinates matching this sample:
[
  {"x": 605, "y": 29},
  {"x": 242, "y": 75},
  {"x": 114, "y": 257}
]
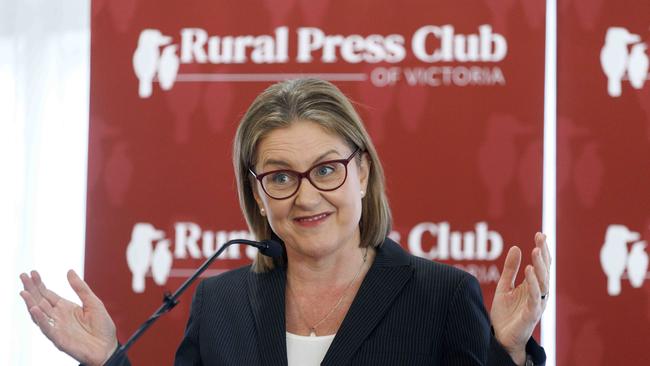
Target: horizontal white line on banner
[{"x": 269, "y": 77}]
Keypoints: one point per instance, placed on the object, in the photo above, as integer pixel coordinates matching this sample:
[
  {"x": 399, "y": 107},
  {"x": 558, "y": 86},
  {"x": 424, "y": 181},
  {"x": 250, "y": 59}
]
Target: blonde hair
[{"x": 320, "y": 102}]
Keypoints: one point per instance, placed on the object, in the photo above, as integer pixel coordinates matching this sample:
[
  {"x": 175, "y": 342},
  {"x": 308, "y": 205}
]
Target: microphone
[{"x": 270, "y": 248}]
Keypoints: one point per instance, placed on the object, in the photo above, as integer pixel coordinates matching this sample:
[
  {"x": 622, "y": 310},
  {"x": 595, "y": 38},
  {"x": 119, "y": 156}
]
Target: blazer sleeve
[
  {"x": 499, "y": 357},
  {"x": 123, "y": 360},
  {"x": 467, "y": 328},
  {"x": 189, "y": 352},
  {"x": 468, "y": 332}
]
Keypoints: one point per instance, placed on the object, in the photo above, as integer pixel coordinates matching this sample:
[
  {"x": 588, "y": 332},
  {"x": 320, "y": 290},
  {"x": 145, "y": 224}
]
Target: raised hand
[
  {"x": 86, "y": 333},
  {"x": 517, "y": 310}
]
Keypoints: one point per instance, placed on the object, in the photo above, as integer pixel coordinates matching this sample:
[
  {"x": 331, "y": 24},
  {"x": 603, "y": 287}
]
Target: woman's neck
[
  {"x": 319, "y": 293},
  {"x": 308, "y": 274}
]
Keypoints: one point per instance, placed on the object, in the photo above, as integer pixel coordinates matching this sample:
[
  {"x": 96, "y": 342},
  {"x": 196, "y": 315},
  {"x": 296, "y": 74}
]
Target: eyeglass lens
[{"x": 327, "y": 176}]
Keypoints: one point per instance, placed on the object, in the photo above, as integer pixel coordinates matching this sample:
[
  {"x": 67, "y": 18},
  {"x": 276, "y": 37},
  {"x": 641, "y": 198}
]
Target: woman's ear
[
  {"x": 364, "y": 171},
  {"x": 258, "y": 198}
]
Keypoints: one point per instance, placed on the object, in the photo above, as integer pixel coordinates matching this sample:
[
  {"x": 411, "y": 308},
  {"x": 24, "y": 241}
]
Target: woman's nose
[{"x": 307, "y": 194}]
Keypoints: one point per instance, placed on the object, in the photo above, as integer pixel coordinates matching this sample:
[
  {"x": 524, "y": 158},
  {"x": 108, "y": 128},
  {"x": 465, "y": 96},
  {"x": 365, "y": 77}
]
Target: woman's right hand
[{"x": 87, "y": 332}]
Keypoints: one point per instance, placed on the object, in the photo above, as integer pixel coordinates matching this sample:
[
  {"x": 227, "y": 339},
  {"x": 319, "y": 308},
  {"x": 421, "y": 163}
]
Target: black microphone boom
[{"x": 269, "y": 248}]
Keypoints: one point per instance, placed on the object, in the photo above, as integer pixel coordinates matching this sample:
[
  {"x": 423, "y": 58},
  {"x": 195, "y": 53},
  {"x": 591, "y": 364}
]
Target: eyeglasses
[{"x": 325, "y": 176}]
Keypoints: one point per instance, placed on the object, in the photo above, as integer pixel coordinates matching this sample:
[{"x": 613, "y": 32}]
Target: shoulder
[
  {"x": 235, "y": 278},
  {"x": 439, "y": 299},
  {"x": 425, "y": 272},
  {"x": 221, "y": 295},
  {"x": 432, "y": 285},
  {"x": 443, "y": 274},
  {"x": 228, "y": 277}
]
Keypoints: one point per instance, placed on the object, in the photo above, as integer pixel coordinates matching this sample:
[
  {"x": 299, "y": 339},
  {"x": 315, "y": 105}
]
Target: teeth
[{"x": 314, "y": 218}]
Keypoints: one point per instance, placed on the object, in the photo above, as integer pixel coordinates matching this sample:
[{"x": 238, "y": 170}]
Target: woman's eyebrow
[
  {"x": 279, "y": 163},
  {"x": 284, "y": 164},
  {"x": 324, "y": 155}
]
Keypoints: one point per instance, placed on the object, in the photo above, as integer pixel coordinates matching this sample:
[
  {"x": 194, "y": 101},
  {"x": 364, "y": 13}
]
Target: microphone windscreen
[{"x": 272, "y": 248}]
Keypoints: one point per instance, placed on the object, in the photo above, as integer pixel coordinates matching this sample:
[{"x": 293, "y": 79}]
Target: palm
[
  {"x": 86, "y": 333},
  {"x": 517, "y": 310},
  {"x": 511, "y": 316}
]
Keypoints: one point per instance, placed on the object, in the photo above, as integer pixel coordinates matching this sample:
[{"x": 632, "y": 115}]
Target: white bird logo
[
  {"x": 168, "y": 67},
  {"x": 146, "y": 59},
  {"x": 139, "y": 252},
  {"x": 161, "y": 262},
  {"x": 637, "y": 264},
  {"x": 614, "y": 57},
  {"x": 613, "y": 255},
  {"x": 637, "y": 69}
]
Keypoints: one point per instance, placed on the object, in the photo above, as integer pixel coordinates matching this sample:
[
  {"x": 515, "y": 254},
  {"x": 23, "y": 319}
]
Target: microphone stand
[{"x": 171, "y": 300}]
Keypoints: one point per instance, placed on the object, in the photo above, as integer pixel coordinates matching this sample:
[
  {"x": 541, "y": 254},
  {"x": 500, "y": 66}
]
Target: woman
[{"x": 343, "y": 293}]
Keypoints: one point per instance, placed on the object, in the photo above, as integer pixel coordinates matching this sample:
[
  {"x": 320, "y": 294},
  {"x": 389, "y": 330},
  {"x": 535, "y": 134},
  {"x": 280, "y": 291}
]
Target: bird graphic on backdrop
[
  {"x": 613, "y": 255},
  {"x": 168, "y": 67},
  {"x": 637, "y": 69},
  {"x": 614, "y": 57},
  {"x": 139, "y": 252},
  {"x": 146, "y": 58},
  {"x": 497, "y": 159},
  {"x": 637, "y": 264},
  {"x": 588, "y": 174},
  {"x": 161, "y": 262}
]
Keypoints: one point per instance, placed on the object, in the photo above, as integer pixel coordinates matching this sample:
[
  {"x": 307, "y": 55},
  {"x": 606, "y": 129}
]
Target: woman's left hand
[
  {"x": 517, "y": 310},
  {"x": 86, "y": 333}
]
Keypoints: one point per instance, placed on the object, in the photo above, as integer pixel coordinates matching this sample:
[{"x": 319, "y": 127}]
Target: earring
[
  {"x": 363, "y": 193},
  {"x": 262, "y": 211}
]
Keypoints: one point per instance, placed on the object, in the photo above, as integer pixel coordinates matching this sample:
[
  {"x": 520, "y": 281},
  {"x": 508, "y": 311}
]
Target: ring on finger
[
  {"x": 51, "y": 322},
  {"x": 544, "y": 296}
]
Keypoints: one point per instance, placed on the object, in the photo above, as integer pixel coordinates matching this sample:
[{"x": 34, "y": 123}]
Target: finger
[
  {"x": 81, "y": 288},
  {"x": 546, "y": 252},
  {"x": 50, "y": 295},
  {"x": 36, "y": 278},
  {"x": 29, "y": 302},
  {"x": 39, "y": 284},
  {"x": 29, "y": 286},
  {"x": 534, "y": 293},
  {"x": 43, "y": 321},
  {"x": 547, "y": 255},
  {"x": 540, "y": 270},
  {"x": 540, "y": 242},
  {"x": 45, "y": 306},
  {"x": 510, "y": 269}
]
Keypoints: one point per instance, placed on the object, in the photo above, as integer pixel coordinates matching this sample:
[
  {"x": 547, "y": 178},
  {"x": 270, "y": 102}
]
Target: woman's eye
[
  {"x": 324, "y": 170},
  {"x": 280, "y": 178}
]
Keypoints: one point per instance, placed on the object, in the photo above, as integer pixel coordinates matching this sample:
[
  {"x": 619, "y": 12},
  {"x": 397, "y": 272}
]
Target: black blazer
[{"x": 408, "y": 311}]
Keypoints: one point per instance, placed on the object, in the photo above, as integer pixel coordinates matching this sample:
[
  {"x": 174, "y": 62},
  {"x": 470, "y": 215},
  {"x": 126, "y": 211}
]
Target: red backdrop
[
  {"x": 452, "y": 94},
  {"x": 603, "y": 217}
]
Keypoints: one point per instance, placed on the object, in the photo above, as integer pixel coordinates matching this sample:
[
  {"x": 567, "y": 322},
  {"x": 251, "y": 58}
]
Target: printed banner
[
  {"x": 603, "y": 218},
  {"x": 452, "y": 96}
]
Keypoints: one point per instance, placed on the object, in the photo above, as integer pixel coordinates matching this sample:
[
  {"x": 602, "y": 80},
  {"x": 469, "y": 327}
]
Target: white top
[{"x": 307, "y": 351}]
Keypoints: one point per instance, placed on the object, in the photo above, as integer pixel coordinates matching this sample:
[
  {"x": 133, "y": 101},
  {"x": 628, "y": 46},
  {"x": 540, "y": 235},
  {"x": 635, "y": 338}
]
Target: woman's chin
[{"x": 318, "y": 251}]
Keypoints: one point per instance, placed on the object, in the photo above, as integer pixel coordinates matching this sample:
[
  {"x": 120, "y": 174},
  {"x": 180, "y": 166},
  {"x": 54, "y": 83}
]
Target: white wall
[{"x": 44, "y": 88}]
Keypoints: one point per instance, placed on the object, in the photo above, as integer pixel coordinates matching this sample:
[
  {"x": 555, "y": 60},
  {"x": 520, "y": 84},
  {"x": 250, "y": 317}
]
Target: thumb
[
  {"x": 510, "y": 269},
  {"x": 81, "y": 288}
]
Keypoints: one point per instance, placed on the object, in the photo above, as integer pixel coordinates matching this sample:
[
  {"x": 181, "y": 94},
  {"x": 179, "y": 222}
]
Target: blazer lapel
[
  {"x": 389, "y": 273},
  {"x": 266, "y": 296}
]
